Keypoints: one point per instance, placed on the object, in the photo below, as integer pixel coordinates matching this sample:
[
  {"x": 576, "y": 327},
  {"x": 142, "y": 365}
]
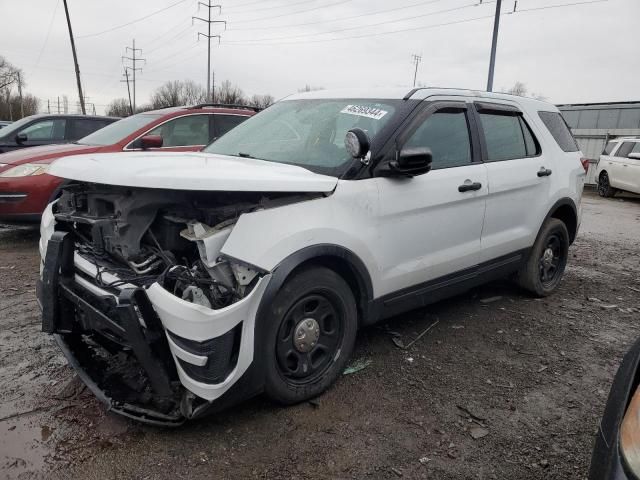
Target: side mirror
[
  {"x": 21, "y": 138},
  {"x": 634, "y": 156},
  {"x": 151, "y": 141},
  {"x": 357, "y": 143},
  {"x": 411, "y": 162}
]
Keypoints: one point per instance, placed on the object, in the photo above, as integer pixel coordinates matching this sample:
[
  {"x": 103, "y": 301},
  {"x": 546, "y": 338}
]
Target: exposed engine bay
[{"x": 143, "y": 236}]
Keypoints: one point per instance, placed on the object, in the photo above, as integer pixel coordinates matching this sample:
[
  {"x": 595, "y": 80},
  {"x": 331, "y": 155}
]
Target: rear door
[
  {"x": 429, "y": 226},
  {"x": 633, "y": 166},
  {"x": 78, "y": 128},
  {"x": 519, "y": 175}
]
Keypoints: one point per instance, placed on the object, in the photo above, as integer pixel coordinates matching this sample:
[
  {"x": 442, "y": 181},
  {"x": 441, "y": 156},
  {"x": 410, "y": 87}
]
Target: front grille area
[{"x": 221, "y": 353}]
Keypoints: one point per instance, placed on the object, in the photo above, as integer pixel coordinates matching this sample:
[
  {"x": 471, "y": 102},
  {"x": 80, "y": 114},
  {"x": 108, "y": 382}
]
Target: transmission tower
[
  {"x": 208, "y": 36},
  {"x": 133, "y": 68}
]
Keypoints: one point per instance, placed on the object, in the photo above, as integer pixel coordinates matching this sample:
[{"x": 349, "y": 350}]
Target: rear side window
[
  {"x": 507, "y": 137},
  {"x": 609, "y": 148},
  {"x": 223, "y": 123},
  {"x": 559, "y": 131},
  {"x": 625, "y": 149},
  {"x": 82, "y": 128}
]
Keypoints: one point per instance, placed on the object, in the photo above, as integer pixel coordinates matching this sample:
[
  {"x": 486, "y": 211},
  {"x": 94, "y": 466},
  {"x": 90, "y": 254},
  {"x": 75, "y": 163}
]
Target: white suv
[
  {"x": 619, "y": 167},
  {"x": 177, "y": 284}
]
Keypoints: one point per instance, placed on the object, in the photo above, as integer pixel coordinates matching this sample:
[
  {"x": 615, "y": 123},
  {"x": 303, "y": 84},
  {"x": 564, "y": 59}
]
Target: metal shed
[{"x": 593, "y": 124}]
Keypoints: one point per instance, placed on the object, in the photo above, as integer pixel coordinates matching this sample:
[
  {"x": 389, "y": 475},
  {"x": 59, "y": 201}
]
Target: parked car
[
  {"x": 26, "y": 188},
  {"x": 248, "y": 267},
  {"x": 38, "y": 130},
  {"x": 618, "y": 168},
  {"x": 616, "y": 455},
  {"x": 4, "y": 123}
]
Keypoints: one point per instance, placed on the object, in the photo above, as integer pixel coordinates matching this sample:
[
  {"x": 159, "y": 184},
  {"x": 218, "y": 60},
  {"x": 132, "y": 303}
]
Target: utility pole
[
  {"x": 133, "y": 68},
  {"x": 20, "y": 95},
  {"x": 494, "y": 46},
  {"x": 416, "y": 59},
  {"x": 75, "y": 57},
  {"x": 48, "y": 106},
  {"x": 126, "y": 74},
  {"x": 58, "y": 104},
  {"x": 208, "y": 35}
]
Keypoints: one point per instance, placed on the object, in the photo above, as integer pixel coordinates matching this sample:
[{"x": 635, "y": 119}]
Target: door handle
[
  {"x": 467, "y": 187},
  {"x": 544, "y": 172}
]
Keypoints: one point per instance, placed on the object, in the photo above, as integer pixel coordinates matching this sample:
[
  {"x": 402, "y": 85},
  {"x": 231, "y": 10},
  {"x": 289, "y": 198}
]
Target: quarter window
[
  {"x": 184, "y": 131},
  {"x": 447, "y": 135},
  {"x": 609, "y": 148},
  {"x": 559, "y": 131}
]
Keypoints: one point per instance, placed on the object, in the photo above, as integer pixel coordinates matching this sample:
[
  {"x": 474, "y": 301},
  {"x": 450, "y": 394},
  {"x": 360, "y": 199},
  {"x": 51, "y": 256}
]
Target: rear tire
[
  {"x": 547, "y": 260},
  {"x": 311, "y": 331},
  {"x": 604, "y": 187}
]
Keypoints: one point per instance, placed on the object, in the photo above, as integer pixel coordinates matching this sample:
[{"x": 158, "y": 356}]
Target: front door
[{"x": 430, "y": 225}]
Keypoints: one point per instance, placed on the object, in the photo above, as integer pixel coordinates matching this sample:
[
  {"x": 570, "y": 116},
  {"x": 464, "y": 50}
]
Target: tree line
[
  {"x": 176, "y": 93},
  {"x": 15, "y": 103}
]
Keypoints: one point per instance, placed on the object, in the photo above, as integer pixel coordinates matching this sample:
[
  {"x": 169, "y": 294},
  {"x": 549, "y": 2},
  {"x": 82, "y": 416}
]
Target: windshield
[
  {"x": 308, "y": 133},
  {"x": 118, "y": 131},
  {"x": 13, "y": 128}
]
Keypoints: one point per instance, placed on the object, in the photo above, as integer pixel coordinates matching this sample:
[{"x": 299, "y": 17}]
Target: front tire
[
  {"x": 604, "y": 186},
  {"x": 547, "y": 260},
  {"x": 311, "y": 331}
]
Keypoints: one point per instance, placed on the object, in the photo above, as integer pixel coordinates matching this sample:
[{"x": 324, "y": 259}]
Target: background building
[{"x": 593, "y": 124}]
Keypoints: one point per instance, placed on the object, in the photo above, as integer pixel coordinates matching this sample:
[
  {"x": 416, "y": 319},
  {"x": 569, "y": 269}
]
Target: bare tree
[
  {"x": 119, "y": 108},
  {"x": 229, "y": 94},
  {"x": 177, "y": 93},
  {"x": 261, "y": 101},
  {"x": 520, "y": 89},
  {"x": 14, "y": 106}
]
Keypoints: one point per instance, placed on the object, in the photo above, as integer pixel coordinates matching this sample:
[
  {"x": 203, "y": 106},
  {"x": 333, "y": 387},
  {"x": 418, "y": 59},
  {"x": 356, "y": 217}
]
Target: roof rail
[{"x": 224, "y": 105}]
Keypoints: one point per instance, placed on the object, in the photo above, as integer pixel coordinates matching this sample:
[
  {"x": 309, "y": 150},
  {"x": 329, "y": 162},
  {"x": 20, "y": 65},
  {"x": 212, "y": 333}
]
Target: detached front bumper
[{"x": 145, "y": 353}]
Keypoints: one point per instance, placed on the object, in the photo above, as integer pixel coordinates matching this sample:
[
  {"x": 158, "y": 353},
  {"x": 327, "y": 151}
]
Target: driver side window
[
  {"x": 52, "y": 129},
  {"x": 446, "y": 133},
  {"x": 190, "y": 130}
]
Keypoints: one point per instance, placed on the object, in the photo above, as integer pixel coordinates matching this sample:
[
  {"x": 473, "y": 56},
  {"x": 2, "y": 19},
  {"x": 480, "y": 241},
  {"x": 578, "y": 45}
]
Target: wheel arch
[
  {"x": 337, "y": 258},
  {"x": 565, "y": 210}
]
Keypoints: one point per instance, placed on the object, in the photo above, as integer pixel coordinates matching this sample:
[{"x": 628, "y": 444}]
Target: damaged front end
[{"x": 156, "y": 321}]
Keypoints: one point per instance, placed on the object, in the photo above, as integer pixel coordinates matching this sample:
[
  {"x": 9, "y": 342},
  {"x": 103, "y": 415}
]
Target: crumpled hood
[
  {"x": 191, "y": 171},
  {"x": 45, "y": 153}
]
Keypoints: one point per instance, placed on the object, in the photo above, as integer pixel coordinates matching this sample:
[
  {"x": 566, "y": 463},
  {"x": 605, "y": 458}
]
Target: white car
[
  {"x": 177, "y": 284},
  {"x": 619, "y": 167}
]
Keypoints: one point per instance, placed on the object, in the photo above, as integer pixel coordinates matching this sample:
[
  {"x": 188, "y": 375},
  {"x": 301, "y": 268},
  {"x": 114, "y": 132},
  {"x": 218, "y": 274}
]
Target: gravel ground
[{"x": 504, "y": 386}]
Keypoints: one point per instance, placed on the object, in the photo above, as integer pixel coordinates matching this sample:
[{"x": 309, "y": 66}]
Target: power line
[
  {"x": 359, "y": 27},
  {"x": 132, "y": 21},
  {"x": 46, "y": 38},
  {"x": 419, "y": 4},
  {"x": 403, "y": 30},
  {"x": 293, "y": 13},
  {"x": 559, "y": 6}
]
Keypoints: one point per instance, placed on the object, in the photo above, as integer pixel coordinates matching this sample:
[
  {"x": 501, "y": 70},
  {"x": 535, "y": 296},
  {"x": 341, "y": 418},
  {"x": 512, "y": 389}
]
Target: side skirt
[{"x": 443, "y": 287}]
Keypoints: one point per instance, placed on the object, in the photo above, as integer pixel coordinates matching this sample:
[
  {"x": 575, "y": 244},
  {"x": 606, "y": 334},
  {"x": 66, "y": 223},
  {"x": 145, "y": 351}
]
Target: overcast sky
[{"x": 580, "y": 53}]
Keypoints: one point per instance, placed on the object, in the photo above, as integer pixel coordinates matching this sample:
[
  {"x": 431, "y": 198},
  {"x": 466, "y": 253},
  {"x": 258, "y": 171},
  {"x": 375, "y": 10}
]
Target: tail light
[{"x": 585, "y": 164}]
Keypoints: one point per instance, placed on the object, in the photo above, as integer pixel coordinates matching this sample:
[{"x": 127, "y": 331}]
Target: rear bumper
[{"x": 183, "y": 358}]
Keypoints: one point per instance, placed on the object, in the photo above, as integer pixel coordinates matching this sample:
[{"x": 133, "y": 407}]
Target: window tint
[
  {"x": 224, "y": 123},
  {"x": 503, "y": 136},
  {"x": 447, "y": 135},
  {"x": 636, "y": 148},
  {"x": 609, "y": 148},
  {"x": 82, "y": 128},
  {"x": 625, "y": 149},
  {"x": 559, "y": 130},
  {"x": 530, "y": 142},
  {"x": 571, "y": 117},
  {"x": 184, "y": 131},
  {"x": 52, "y": 129}
]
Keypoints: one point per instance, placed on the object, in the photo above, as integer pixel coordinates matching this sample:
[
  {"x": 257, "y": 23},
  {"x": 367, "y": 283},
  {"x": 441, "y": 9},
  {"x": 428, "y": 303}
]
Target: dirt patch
[{"x": 508, "y": 388}]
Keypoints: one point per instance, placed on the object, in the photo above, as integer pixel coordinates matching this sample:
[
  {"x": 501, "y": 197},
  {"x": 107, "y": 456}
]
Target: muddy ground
[{"x": 530, "y": 375}]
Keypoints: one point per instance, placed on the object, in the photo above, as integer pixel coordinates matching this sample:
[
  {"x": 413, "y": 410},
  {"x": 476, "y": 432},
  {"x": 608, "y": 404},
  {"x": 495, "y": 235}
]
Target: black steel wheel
[
  {"x": 604, "y": 187},
  {"x": 543, "y": 270},
  {"x": 312, "y": 329}
]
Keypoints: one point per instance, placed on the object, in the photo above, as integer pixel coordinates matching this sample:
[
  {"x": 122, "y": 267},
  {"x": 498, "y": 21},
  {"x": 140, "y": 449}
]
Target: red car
[{"x": 26, "y": 188}]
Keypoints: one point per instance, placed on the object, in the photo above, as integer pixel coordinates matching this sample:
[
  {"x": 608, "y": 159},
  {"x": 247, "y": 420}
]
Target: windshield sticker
[{"x": 362, "y": 111}]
